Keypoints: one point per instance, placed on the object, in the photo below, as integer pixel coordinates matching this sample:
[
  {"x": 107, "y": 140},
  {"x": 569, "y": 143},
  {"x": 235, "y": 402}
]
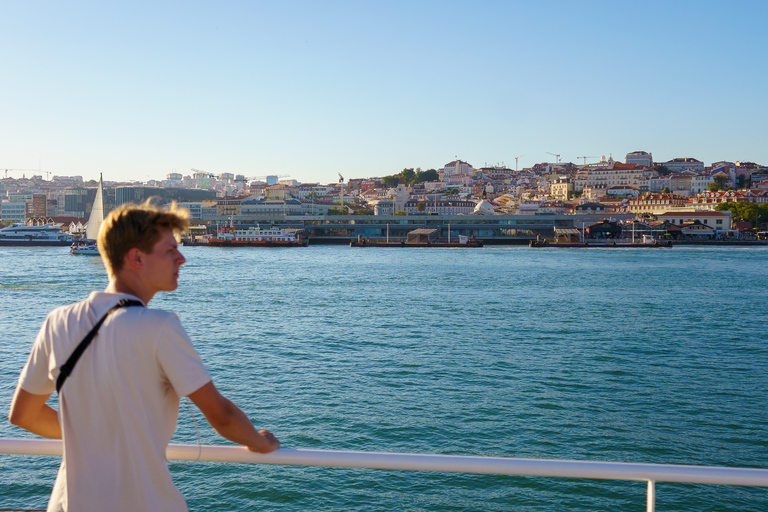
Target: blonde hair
[{"x": 137, "y": 225}]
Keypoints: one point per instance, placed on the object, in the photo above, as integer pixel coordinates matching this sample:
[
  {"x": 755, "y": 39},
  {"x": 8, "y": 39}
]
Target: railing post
[{"x": 651, "y": 502}]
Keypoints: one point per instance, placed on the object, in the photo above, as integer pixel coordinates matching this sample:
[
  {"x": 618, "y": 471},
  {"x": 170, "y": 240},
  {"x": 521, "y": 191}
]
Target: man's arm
[
  {"x": 231, "y": 422},
  {"x": 31, "y": 413}
]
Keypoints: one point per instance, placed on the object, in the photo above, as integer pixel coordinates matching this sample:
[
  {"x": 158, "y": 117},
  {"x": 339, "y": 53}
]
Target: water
[{"x": 617, "y": 355}]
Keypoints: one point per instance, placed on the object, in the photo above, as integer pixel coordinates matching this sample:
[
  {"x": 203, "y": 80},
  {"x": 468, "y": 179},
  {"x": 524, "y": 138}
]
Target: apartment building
[{"x": 655, "y": 203}]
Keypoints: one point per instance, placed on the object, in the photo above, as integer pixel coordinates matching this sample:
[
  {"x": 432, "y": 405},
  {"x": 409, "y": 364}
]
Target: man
[{"x": 118, "y": 408}]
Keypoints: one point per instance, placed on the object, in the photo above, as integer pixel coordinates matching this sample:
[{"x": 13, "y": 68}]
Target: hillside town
[{"x": 678, "y": 191}]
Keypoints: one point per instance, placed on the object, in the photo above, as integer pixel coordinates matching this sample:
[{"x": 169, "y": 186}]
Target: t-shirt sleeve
[
  {"x": 178, "y": 360},
  {"x": 36, "y": 377}
]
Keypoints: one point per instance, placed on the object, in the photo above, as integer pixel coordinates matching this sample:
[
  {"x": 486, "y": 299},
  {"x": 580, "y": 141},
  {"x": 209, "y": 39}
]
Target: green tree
[
  {"x": 428, "y": 175},
  {"x": 400, "y": 212},
  {"x": 408, "y": 176},
  {"x": 721, "y": 180},
  {"x": 421, "y": 206},
  {"x": 390, "y": 181},
  {"x": 662, "y": 170},
  {"x": 713, "y": 186},
  {"x": 338, "y": 211},
  {"x": 363, "y": 211},
  {"x": 744, "y": 211},
  {"x": 665, "y": 190}
]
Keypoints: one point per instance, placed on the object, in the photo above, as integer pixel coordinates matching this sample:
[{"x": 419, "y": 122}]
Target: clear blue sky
[{"x": 139, "y": 89}]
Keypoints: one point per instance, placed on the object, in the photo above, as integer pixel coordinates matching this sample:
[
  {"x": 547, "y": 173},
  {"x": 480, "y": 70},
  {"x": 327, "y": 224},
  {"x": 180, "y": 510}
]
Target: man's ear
[{"x": 134, "y": 258}]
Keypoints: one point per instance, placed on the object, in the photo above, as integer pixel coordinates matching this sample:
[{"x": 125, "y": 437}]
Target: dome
[{"x": 484, "y": 208}]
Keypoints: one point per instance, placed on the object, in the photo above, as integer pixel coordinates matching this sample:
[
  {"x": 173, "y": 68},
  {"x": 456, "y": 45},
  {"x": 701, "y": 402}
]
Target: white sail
[{"x": 97, "y": 213}]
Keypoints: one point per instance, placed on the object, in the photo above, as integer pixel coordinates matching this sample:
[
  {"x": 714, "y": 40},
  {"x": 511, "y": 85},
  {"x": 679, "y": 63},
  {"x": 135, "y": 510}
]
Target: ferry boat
[
  {"x": 47, "y": 235},
  {"x": 257, "y": 237}
]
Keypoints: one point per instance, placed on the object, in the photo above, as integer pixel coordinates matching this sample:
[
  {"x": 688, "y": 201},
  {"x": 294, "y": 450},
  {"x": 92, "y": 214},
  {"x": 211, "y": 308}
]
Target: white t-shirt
[{"x": 118, "y": 408}]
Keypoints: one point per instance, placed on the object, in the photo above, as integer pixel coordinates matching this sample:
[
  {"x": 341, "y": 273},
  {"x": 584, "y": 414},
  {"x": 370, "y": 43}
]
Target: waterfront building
[
  {"x": 195, "y": 209},
  {"x": 165, "y": 195},
  {"x": 440, "y": 206},
  {"x": 78, "y": 201},
  {"x": 268, "y": 206},
  {"x": 717, "y": 220},
  {"x": 229, "y": 206},
  {"x": 13, "y": 211},
  {"x": 37, "y": 206}
]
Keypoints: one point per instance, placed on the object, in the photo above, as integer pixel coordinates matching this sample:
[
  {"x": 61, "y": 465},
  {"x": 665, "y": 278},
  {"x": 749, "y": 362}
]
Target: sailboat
[{"x": 88, "y": 246}]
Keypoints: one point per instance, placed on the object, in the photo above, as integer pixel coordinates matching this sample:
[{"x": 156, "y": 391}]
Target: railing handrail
[{"x": 755, "y": 477}]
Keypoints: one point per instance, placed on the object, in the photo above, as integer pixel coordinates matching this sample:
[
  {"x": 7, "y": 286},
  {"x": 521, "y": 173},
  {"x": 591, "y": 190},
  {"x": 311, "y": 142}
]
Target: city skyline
[{"x": 137, "y": 91}]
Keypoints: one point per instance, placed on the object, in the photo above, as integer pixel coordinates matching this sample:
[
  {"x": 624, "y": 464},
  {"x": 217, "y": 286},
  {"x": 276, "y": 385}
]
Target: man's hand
[
  {"x": 230, "y": 422},
  {"x": 272, "y": 443}
]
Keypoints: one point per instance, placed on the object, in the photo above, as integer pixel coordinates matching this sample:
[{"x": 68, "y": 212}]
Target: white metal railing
[{"x": 650, "y": 473}]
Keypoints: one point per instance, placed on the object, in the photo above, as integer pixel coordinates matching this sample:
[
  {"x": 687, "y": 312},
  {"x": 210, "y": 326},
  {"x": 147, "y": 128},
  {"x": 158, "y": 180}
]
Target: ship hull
[
  {"x": 35, "y": 243},
  {"x": 221, "y": 243}
]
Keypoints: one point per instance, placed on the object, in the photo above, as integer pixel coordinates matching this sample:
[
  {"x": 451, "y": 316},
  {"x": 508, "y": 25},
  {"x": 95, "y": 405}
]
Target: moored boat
[
  {"x": 47, "y": 235},
  {"x": 95, "y": 220},
  {"x": 86, "y": 249},
  {"x": 257, "y": 237}
]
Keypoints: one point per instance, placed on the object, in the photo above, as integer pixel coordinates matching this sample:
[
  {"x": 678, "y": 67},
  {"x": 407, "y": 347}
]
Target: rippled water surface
[{"x": 618, "y": 355}]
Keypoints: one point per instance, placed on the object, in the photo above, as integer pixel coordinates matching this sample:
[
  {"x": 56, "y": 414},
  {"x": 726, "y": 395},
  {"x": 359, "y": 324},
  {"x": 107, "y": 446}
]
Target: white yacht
[{"x": 95, "y": 220}]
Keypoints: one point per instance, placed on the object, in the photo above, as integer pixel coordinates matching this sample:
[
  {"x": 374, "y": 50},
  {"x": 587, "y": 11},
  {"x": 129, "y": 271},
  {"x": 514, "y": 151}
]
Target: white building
[
  {"x": 700, "y": 183},
  {"x": 639, "y": 158},
  {"x": 261, "y": 206},
  {"x": 456, "y": 167},
  {"x": 13, "y": 211},
  {"x": 195, "y": 209},
  {"x": 684, "y": 164},
  {"x": 655, "y": 184},
  {"x": 617, "y": 174},
  {"x": 713, "y": 219},
  {"x": 560, "y": 188}
]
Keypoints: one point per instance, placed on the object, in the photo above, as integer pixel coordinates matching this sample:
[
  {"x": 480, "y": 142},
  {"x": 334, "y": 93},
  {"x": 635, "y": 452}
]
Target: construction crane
[
  {"x": 557, "y": 157},
  {"x": 585, "y": 158},
  {"x": 516, "y": 159}
]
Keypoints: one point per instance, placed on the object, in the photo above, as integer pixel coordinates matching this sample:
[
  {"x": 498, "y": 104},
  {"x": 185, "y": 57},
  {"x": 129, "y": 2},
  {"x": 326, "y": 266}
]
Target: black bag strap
[{"x": 67, "y": 367}]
